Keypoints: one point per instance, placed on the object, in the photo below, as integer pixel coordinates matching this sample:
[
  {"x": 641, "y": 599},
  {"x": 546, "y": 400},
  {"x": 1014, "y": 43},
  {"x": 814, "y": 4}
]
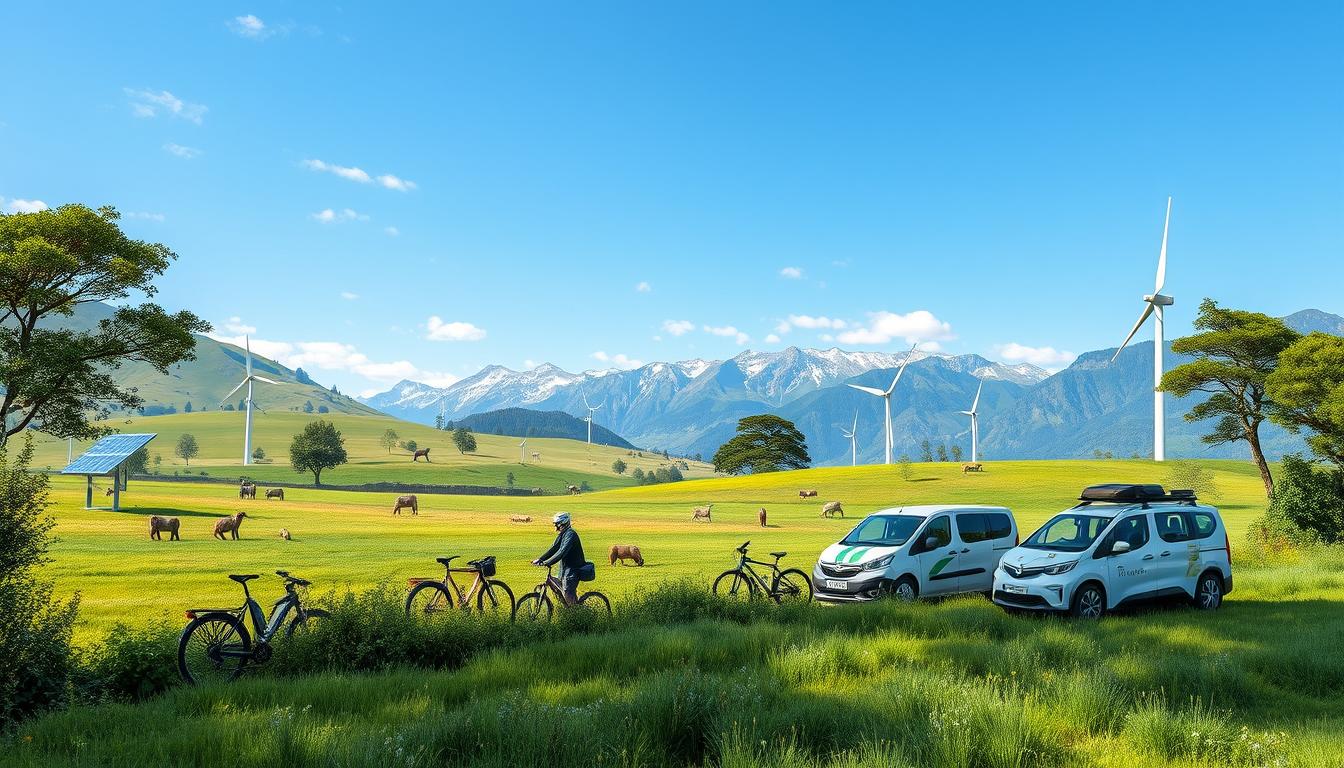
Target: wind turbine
[
  {"x": 853, "y": 446},
  {"x": 886, "y": 398},
  {"x": 589, "y": 417},
  {"x": 1155, "y": 304},
  {"x": 522, "y": 451},
  {"x": 975, "y": 423},
  {"x": 248, "y": 378}
]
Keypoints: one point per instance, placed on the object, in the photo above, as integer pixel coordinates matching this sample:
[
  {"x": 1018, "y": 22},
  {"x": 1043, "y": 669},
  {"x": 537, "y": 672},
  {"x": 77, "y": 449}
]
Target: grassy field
[
  {"x": 220, "y": 436},
  {"x": 350, "y": 539}
]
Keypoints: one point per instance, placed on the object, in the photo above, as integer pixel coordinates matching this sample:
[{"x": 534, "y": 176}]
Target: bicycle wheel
[
  {"x": 735, "y": 585},
  {"x": 596, "y": 602},
  {"x": 495, "y": 598},
  {"x": 214, "y": 649},
  {"x": 429, "y": 598},
  {"x": 533, "y": 607},
  {"x": 303, "y": 623},
  {"x": 791, "y": 586}
]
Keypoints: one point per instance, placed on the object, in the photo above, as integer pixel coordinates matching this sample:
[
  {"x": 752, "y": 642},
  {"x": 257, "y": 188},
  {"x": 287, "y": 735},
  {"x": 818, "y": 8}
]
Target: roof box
[{"x": 1123, "y": 492}]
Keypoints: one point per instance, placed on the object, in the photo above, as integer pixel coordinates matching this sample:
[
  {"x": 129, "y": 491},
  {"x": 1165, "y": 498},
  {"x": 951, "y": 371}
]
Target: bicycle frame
[
  {"x": 552, "y": 584},
  {"x": 477, "y": 584},
  {"x": 252, "y": 611},
  {"x": 744, "y": 564}
]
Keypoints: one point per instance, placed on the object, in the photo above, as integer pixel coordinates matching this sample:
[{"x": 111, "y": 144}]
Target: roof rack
[{"x": 1130, "y": 493}]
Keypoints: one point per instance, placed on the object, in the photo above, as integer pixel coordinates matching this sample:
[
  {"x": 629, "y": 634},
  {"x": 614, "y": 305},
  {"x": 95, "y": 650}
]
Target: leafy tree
[
  {"x": 411, "y": 446},
  {"x": 510, "y": 479},
  {"x": 308, "y": 406},
  {"x": 956, "y": 453},
  {"x": 904, "y": 462},
  {"x": 388, "y": 440},
  {"x": 228, "y": 406},
  {"x": 158, "y": 461},
  {"x": 438, "y": 421},
  {"x": 302, "y": 377},
  {"x": 942, "y": 452},
  {"x": 319, "y": 446},
  {"x": 1308, "y": 391},
  {"x": 618, "y": 467},
  {"x": 1234, "y": 353},
  {"x": 138, "y": 462},
  {"x": 61, "y": 381},
  {"x": 186, "y": 448},
  {"x": 464, "y": 440},
  {"x": 323, "y": 409},
  {"x": 187, "y": 408},
  {"x": 259, "y": 453},
  {"x": 638, "y": 475},
  {"x": 925, "y": 451},
  {"x": 584, "y": 486},
  {"x": 1311, "y": 498},
  {"x": 1184, "y": 473},
  {"x": 764, "y": 443}
]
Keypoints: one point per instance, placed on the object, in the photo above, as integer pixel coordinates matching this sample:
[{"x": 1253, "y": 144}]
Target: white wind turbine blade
[
  {"x": 1162, "y": 256},
  {"x": 1148, "y": 310},
  {"x": 235, "y": 389},
  {"x": 901, "y": 369},
  {"x": 585, "y": 403},
  {"x": 869, "y": 390},
  {"x": 247, "y": 344},
  {"x": 977, "y": 395},
  {"x": 263, "y": 378},
  {"x": 855, "y": 428}
]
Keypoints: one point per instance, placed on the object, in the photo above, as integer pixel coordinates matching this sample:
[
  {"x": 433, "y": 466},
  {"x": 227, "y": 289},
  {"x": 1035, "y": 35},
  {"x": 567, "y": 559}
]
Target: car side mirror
[
  {"x": 1120, "y": 547},
  {"x": 931, "y": 542}
]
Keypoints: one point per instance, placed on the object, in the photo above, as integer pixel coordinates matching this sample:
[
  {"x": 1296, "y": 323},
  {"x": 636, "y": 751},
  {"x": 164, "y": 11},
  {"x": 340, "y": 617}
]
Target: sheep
[
  {"x": 229, "y": 525},
  {"x": 702, "y": 513},
  {"x": 807, "y": 493},
  {"x": 625, "y": 552},
  {"x": 408, "y": 500},
  {"x": 972, "y": 466},
  {"x": 284, "y": 534},
  {"x": 573, "y": 490},
  {"x": 832, "y": 508},
  {"x": 157, "y": 525},
  {"x": 520, "y": 518},
  {"x": 275, "y": 493},
  {"x": 760, "y": 515}
]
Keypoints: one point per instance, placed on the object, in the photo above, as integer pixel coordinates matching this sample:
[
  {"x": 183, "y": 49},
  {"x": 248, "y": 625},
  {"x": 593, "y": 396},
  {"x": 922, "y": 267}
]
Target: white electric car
[
  {"x": 911, "y": 552},
  {"x": 1122, "y": 544}
]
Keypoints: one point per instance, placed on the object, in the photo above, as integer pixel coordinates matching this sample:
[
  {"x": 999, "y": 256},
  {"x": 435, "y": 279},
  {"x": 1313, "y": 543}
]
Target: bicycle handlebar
[
  {"x": 743, "y": 548},
  {"x": 292, "y": 579}
]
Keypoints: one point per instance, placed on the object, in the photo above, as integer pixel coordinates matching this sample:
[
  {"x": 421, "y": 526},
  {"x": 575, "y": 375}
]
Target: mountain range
[{"x": 692, "y": 406}]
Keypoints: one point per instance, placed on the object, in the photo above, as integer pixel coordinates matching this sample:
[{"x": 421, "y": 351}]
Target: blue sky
[{"x": 380, "y": 190}]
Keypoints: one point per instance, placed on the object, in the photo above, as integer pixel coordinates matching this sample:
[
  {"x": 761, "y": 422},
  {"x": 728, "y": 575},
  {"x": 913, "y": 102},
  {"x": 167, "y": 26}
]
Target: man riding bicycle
[{"x": 568, "y": 552}]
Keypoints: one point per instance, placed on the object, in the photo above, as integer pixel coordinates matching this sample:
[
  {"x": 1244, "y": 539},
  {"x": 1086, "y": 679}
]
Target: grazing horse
[
  {"x": 408, "y": 500},
  {"x": 702, "y": 513},
  {"x": 625, "y": 552},
  {"x": 229, "y": 525},
  {"x": 422, "y": 452},
  {"x": 832, "y": 508},
  {"x": 158, "y": 525},
  {"x": 275, "y": 493}
]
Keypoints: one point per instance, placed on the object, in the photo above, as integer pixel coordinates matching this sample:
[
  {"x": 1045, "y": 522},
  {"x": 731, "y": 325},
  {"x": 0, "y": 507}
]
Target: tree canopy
[
  {"x": 1308, "y": 391},
  {"x": 764, "y": 443},
  {"x": 60, "y": 380},
  {"x": 389, "y": 439},
  {"x": 464, "y": 440},
  {"x": 186, "y": 448},
  {"x": 319, "y": 446}
]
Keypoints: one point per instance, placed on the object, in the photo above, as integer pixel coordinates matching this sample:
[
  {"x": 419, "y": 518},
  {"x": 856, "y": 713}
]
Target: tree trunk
[
  {"x": 1258, "y": 456},
  {"x": 317, "y": 478}
]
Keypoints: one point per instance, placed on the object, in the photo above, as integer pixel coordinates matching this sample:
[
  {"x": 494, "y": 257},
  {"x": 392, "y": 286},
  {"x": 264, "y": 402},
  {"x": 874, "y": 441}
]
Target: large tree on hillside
[
  {"x": 319, "y": 446},
  {"x": 389, "y": 439},
  {"x": 1308, "y": 391},
  {"x": 60, "y": 381},
  {"x": 764, "y": 443},
  {"x": 1234, "y": 353}
]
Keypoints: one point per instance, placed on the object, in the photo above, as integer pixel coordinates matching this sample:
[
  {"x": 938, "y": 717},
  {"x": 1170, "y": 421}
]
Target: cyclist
[{"x": 568, "y": 552}]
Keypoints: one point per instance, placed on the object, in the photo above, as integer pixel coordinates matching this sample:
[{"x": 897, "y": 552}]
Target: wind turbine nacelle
[{"x": 1159, "y": 300}]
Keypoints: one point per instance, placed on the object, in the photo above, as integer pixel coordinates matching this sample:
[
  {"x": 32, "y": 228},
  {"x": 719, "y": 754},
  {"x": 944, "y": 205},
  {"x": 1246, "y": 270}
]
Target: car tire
[
  {"x": 1209, "y": 591},
  {"x": 1089, "y": 602},
  {"x": 906, "y": 589}
]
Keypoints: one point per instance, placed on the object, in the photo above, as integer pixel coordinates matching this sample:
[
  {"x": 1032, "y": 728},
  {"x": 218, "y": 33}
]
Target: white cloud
[
  {"x": 145, "y": 215},
  {"x": 392, "y": 231},
  {"x": 438, "y": 330},
  {"x": 618, "y": 360},
  {"x": 24, "y": 206},
  {"x": 1048, "y": 358},
  {"x": 678, "y": 327},
  {"x": 236, "y": 325},
  {"x": 809, "y": 322},
  {"x": 330, "y": 216},
  {"x": 918, "y": 326},
  {"x": 772, "y": 339},
  {"x": 392, "y": 182},
  {"x": 147, "y": 103},
  {"x": 792, "y": 273},
  {"x": 357, "y": 174},
  {"x": 338, "y": 356},
  {"x": 186, "y": 153},
  {"x": 728, "y": 330},
  {"x": 349, "y": 295},
  {"x": 251, "y": 27},
  {"x": 530, "y": 364},
  {"x": 643, "y": 287}
]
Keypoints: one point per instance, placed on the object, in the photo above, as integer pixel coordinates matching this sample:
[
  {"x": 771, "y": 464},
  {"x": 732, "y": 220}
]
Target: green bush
[
  {"x": 1310, "y": 498},
  {"x": 130, "y": 664}
]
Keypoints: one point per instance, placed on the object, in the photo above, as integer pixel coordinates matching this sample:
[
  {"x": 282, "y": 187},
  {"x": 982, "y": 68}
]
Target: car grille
[
  {"x": 1019, "y": 572},
  {"x": 1025, "y": 600},
  {"x": 842, "y": 571}
]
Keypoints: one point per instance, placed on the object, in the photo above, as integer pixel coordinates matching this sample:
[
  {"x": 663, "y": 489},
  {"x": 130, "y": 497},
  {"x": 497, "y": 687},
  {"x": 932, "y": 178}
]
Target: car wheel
[
  {"x": 905, "y": 590},
  {"x": 1089, "y": 602},
  {"x": 1209, "y": 592}
]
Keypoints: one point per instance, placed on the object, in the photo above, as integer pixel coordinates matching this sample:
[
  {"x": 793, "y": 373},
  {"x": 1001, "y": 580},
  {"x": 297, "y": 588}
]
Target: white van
[
  {"x": 911, "y": 552},
  {"x": 1122, "y": 544}
]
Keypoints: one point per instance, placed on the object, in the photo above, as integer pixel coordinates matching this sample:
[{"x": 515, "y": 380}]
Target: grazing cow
[
  {"x": 157, "y": 525},
  {"x": 832, "y": 508},
  {"x": 247, "y": 491},
  {"x": 760, "y": 514},
  {"x": 702, "y": 513},
  {"x": 408, "y": 500},
  {"x": 229, "y": 525},
  {"x": 807, "y": 493},
  {"x": 625, "y": 552},
  {"x": 972, "y": 466},
  {"x": 422, "y": 452},
  {"x": 275, "y": 493},
  {"x": 536, "y": 456},
  {"x": 520, "y": 518},
  {"x": 573, "y": 490},
  {"x": 284, "y": 534}
]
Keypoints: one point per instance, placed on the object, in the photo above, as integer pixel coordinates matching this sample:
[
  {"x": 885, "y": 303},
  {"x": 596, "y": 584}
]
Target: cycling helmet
[{"x": 561, "y": 518}]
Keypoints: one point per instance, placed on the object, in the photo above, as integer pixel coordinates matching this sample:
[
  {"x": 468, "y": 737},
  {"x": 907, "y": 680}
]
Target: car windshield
[
  {"x": 1068, "y": 532},
  {"x": 883, "y": 531}
]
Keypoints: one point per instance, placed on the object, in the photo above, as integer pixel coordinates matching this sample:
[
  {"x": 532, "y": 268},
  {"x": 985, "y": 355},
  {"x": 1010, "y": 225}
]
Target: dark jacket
[{"x": 567, "y": 551}]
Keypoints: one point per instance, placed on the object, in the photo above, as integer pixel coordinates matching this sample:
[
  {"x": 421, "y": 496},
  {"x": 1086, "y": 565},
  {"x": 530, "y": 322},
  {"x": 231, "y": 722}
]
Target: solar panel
[{"x": 107, "y": 454}]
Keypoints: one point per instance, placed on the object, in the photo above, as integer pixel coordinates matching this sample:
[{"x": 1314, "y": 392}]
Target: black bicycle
[
  {"x": 537, "y": 605},
  {"x": 743, "y": 582},
  {"x": 216, "y": 646}
]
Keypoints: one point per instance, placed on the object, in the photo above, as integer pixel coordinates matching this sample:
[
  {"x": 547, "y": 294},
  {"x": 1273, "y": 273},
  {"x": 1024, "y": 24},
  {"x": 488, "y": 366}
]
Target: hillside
[{"x": 524, "y": 422}]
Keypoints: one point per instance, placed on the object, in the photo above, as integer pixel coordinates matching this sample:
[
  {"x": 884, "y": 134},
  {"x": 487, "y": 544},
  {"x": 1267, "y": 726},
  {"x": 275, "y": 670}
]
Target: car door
[
  {"x": 936, "y": 556},
  {"x": 976, "y": 557},
  {"x": 1130, "y": 574},
  {"x": 1177, "y": 552}
]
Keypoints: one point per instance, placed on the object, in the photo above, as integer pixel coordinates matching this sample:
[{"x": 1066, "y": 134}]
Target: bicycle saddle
[
  {"x": 242, "y": 578},
  {"x": 779, "y": 554},
  {"x": 447, "y": 560}
]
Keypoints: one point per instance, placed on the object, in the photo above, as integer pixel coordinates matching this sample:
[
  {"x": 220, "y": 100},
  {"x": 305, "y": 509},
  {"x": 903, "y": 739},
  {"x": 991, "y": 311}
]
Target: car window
[
  {"x": 971, "y": 527},
  {"x": 883, "y": 531},
  {"x": 940, "y": 529},
  {"x": 1173, "y": 526},
  {"x": 998, "y": 526},
  {"x": 1205, "y": 525},
  {"x": 1133, "y": 530},
  {"x": 1068, "y": 532}
]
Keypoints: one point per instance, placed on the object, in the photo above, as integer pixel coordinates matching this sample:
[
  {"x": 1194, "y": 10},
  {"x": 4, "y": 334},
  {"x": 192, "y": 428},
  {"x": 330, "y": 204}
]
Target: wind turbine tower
[
  {"x": 522, "y": 452},
  {"x": 589, "y": 417},
  {"x": 975, "y": 423},
  {"x": 248, "y": 378},
  {"x": 886, "y": 398},
  {"x": 853, "y": 446},
  {"x": 1156, "y": 303}
]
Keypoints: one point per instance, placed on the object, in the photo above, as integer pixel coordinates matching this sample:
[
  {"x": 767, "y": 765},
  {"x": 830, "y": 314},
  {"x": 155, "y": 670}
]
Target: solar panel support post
[
  {"x": 116, "y": 489},
  {"x": 88, "y": 492}
]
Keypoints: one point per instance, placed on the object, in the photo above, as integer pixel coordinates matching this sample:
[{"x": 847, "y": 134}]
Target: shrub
[
  {"x": 130, "y": 664},
  {"x": 1312, "y": 499}
]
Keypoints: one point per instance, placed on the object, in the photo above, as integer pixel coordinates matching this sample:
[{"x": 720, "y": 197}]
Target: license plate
[
  {"x": 833, "y": 584},
  {"x": 1014, "y": 589}
]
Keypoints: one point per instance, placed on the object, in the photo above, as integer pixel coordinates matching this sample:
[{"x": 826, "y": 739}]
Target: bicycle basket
[{"x": 488, "y": 567}]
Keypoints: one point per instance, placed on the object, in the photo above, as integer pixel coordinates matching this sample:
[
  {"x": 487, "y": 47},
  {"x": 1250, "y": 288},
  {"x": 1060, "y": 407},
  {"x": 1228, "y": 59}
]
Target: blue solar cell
[{"x": 107, "y": 454}]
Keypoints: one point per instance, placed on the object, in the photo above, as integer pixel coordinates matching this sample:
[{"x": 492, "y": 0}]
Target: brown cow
[
  {"x": 422, "y": 452},
  {"x": 229, "y": 525},
  {"x": 702, "y": 513},
  {"x": 157, "y": 525},
  {"x": 807, "y": 493},
  {"x": 408, "y": 500},
  {"x": 275, "y": 493},
  {"x": 832, "y": 508},
  {"x": 760, "y": 514},
  {"x": 625, "y": 552}
]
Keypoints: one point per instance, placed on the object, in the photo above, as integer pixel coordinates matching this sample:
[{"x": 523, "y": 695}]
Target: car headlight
[
  {"x": 880, "y": 563},
  {"x": 1058, "y": 568}
]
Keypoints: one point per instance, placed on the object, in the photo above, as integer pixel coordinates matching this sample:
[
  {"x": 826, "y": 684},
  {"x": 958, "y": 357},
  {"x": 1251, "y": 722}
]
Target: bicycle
[
  {"x": 537, "y": 606},
  {"x": 216, "y": 644},
  {"x": 790, "y": 585},
  {"x": 429, "y": 597}
]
